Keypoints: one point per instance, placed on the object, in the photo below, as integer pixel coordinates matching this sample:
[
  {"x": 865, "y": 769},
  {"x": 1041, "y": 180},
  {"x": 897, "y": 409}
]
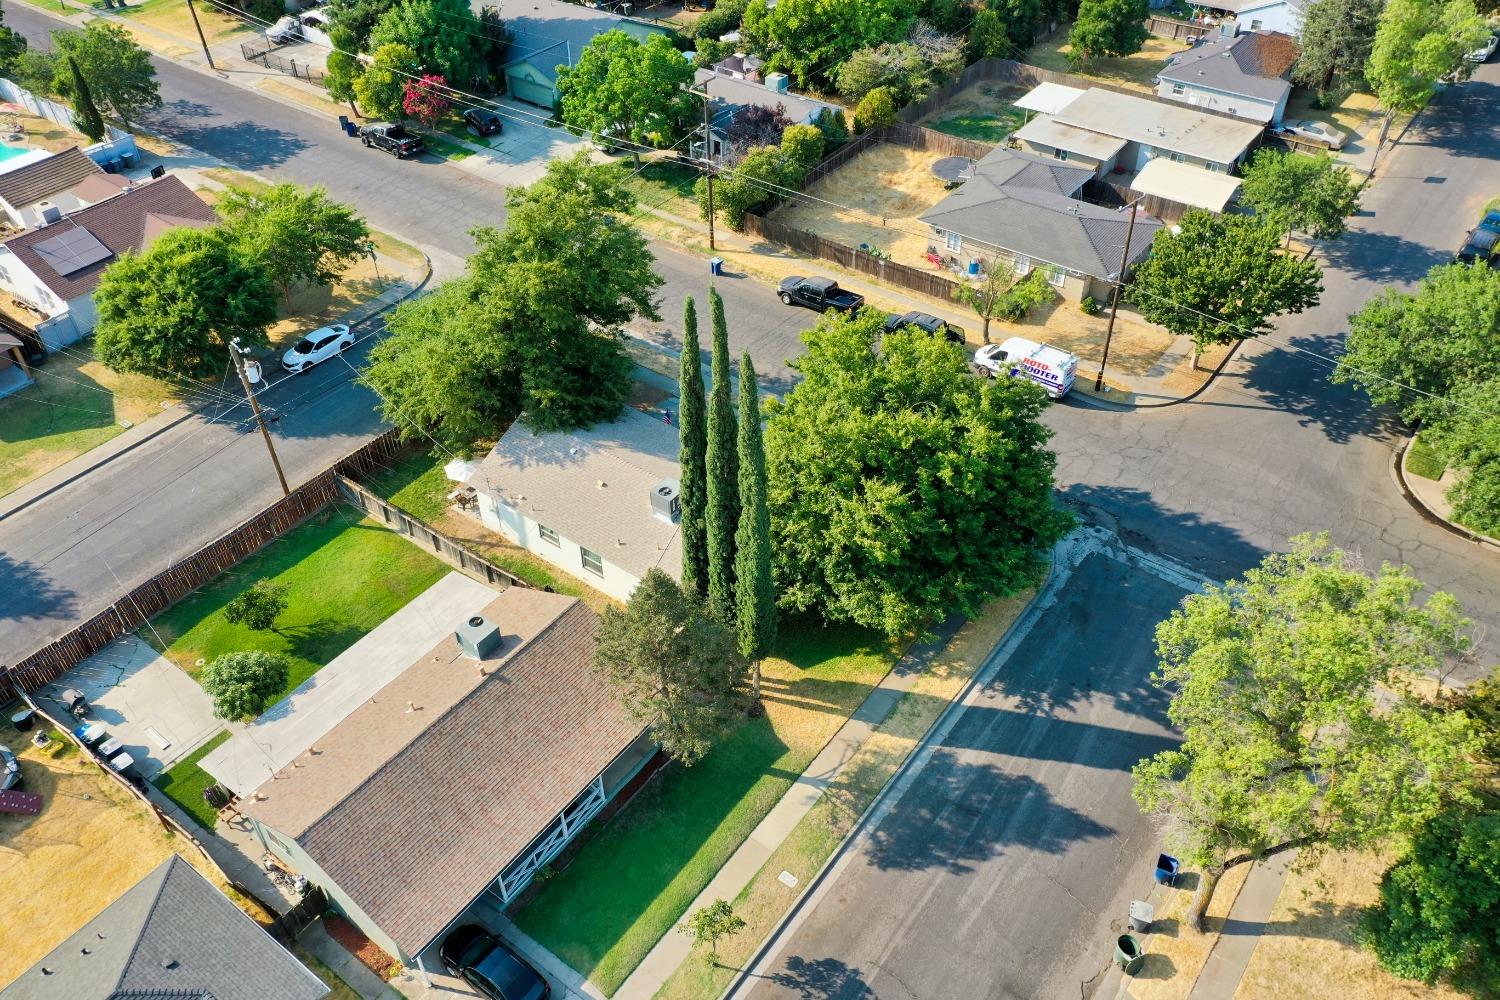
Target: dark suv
[
  {"x": 481, "y": 122},
  {"x": 393, "y": 138},
  {"x": 484, "y": 962},
  {"x": 927, "y": 323}
]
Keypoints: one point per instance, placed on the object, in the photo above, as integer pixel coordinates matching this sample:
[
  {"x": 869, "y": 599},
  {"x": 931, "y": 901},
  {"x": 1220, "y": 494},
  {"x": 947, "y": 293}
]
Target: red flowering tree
[{"x": 427, "y": 99}]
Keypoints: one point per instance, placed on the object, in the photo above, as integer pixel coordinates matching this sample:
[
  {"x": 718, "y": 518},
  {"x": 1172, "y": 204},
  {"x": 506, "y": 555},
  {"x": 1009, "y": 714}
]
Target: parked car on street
[
  {"x": 927, "y": 322},
  {"x": 483, "y": 961},
  {"x": 821, "y": 294},
  {"x": 1483, "y": 53},
  {"x": 10, "y": 770},
  {"x": 1479, "y": 247},
  {"x": 320, "y": 345},
  {"x": 1053, "y": 368},
  {"x": 394, "y": 139},
  {"x": 1314, "y": 132},
  {"x": 481, "y": 122}
]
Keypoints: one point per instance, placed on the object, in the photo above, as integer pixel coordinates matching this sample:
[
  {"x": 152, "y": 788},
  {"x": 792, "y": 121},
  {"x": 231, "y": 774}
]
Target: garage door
[{"x": 526, "y": 84}]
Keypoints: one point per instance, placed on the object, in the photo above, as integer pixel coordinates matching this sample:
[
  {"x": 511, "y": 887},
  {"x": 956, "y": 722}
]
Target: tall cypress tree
[
  {"x": 755, "y": 592},
  {"x": 86, "y": 116},
  {"x": 694, "y": 435},
  {"x": 723, "y": 473}
]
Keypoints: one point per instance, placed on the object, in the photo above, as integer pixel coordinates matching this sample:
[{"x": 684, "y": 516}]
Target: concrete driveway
[
  {"x": 1012, "y": 848},
  {"x": 144, "y": 700}
]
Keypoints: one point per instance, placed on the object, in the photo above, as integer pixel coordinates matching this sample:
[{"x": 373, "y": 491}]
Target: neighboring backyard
[
  {"x": 74, "y": 405},
  {"x": 637, "y": 875},
  {"x": 185, "y": 781},
  {"x": 1134, "y": 71},
  {"x": 984, "y": 111}
]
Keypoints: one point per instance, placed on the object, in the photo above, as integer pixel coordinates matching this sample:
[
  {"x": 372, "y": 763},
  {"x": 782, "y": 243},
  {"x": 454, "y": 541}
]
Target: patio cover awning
[
  {"x": 1186, "y": 184},
  {"x": 1048, "y": 98}
]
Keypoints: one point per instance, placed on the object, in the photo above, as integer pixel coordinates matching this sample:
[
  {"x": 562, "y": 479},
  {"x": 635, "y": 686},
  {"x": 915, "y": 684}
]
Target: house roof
[
  {"x": 1048, "y": 98},
  {"x": 1005, "y": 166},
  {"x": 1034, "y": 219},
  {"x": 1186, "y": 184},
  {"x": 416, "y": 802},
  {"x": 1050, "y": 132},
  {"x": 1254, "y": 64},
  {"x": 172, "y": 934},
  {"x": 551, "y": 33},
  {"x": 733, "y": 93},
  {"x": 1160, "y": 124},
  {"x": 593, "y": 486},
  {"x": 1243, "y": 6},
  {"x": 128, "y": 222},
  {"x": 44, "y": 178}
]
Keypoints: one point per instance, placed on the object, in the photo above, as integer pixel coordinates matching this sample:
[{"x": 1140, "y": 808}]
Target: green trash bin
[{"x": 1128, "y": 954}]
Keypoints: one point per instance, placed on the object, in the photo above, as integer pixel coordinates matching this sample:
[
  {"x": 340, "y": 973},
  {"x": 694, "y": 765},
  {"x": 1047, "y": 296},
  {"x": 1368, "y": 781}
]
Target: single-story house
[
  {"x": 1106, "y": 130},
  {"x": 547, "y": 34},
  {"x": 51, "y": 270},
  {"x": 460, "y": 777},
  {"x": 1024, "y": 209},
  {"x": 737, "y": 83},
  {"x": 1260, "y": 15},
  {"x": 172, "y": 934},
  {"x": 1245, "y": 75},
  {"x": 62, "y": 182},
  {"x": 600, "y": 503}
]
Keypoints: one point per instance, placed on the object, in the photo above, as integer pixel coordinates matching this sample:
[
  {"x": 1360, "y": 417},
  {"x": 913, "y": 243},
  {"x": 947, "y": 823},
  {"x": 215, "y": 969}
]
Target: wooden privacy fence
[
  {"x": 913, "y": 278},
  {"x": 186, "y": 575},
  {"x": 1171, "y": 27}
]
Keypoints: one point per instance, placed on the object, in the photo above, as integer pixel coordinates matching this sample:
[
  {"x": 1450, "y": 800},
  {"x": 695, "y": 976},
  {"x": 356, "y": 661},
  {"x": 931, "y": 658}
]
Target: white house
[
  {"x": 1245, "y": 75},
  {"x": 600, "y": 504},
  {"x": 65, "y": 181},
  {"x": 1263, "y": 15}
]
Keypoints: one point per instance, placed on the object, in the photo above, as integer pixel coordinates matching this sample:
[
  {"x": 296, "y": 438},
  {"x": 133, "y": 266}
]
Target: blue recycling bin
[
  {"x": 1167, "y": 868},
  {"x": 351, "y": 130},
  {"x": 973, "y": 267},
  {"x": 716, "y": 266}
]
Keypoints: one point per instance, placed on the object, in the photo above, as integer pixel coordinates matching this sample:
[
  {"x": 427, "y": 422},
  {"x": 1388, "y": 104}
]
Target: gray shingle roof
[
  {"x": 44, "y": 178},
  {"x": 1010, "y": 168},
  {"x": 732, "y": 94},
  {"x": 1006, "y": 207},
  {"x": 1253, "y": 64},
  {"x": 172, "y": 934},
  {"x": 415, "y": 802}
]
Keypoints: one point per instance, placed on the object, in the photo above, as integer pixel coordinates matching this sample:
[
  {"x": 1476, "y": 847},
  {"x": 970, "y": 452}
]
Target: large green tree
[
  {"x": 243, "y": 684},
  {"x": 12, "y": 45},
  {"x": 1312, "y": 194},
  {"x": 1466, "y": 433},
  {"x": 674, "y": 667},
  {"x": 622, "y": 88},
  {"x": 810, "y": 39},
  {"x": 358, "y": 18},
  {"x": 1417, "y": 44},
  {"x": 1218, "y": 279},
  {"x": 299, "y": 235},
  {"x": 177, "y": 306},
  {"x": 1439, "y": 907},
  {"x": 344, "y": 67},
  {"x": 1289, "y": 686},
  {"x": 902, "y": 488},
  {"x": 1336, "y": 39},
  {"x": 723, "y": 512},
  {"x": 1107, "y": 28},
  {"x": 121, "y": 78},
  {"x": 754, "y": 584},
  {"x": 444, "y": 34},
  {"x": 693, "y": 458},
  {"x": 86, "y": 116},
  {"x": 1411, "y": 349},
  {"x": 381, "y": 88}
]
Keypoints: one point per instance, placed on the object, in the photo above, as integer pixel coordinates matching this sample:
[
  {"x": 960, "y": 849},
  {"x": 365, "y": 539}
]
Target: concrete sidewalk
[
  {"x": 1241, "y": 932},
  {"x": 674, "y": 946}
]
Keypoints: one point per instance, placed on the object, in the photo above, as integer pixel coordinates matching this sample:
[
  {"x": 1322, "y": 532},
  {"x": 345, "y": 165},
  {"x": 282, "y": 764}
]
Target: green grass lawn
[
  {"x": 985, "y": 128},
  {"x": 444, "y": 148},
  {"x": 627, "y": 886},
  {"x": 668, "y": 186},
  {"x": 416, "y": 484},
  {"x": 184, "y": 782},
  {"x": 1422, "y": 461},
  {"x": 344, "y": 575}
]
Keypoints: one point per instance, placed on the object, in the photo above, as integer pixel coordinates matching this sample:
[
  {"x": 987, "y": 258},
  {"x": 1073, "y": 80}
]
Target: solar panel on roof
[{"x": 72, "y": 250}]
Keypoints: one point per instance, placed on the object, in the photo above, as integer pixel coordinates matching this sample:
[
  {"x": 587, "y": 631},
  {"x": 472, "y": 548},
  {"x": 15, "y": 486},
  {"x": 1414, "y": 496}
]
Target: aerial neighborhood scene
[{"x": 754, "y": 499}]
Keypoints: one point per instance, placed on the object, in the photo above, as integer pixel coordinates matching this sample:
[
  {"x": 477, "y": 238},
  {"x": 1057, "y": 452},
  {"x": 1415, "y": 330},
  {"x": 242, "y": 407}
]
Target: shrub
[
  {"x": 1090, "y": 306},
  {"x": 1025, "y": 295},
  {"x": 834, "y": 127},
  {"x": 877, "y": 110},
  {"x": 243, "y": 684},
  {"x": 216, "y": 796},
  {"x": 258, "y": 607}
]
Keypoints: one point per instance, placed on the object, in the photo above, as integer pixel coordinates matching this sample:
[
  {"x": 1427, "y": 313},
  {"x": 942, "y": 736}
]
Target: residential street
[{"x": 1026, "y": 799}]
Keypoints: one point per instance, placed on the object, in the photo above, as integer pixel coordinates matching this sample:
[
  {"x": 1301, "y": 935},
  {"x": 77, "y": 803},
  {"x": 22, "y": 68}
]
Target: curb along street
[{"x": 1398, "y": 474}]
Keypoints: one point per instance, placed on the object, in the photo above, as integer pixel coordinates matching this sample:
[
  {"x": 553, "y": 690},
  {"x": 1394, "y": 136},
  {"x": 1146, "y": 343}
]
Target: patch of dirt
[
  {"x": 1135, "y": 349},
  {"x": 1186, "y": 377}
]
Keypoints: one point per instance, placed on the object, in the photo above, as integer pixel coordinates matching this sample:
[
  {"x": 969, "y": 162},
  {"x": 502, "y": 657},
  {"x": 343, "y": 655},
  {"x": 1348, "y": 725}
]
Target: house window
[
  {"x": 1176, "y": 157},
  {"x": 1054, "y": 275},
  {"x": 1061, "y": 154},
  {"x": 1178, "y": 89},
  {"x": 954, "y": 242},
  {"x": 1023, "y": 264},
  {"x": 1212, "y": 168},
  {"x": 1255, "y": 25},
  {"x": 591, "y": 561},
  {"x": 548, "y": 535}
]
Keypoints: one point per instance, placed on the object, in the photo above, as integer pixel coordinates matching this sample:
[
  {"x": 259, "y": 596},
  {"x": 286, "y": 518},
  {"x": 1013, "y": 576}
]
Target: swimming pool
[{"x": 6, "y": 152}]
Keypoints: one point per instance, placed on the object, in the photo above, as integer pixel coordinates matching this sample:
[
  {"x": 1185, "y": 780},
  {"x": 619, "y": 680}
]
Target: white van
[{"x": 1050, "y": 367}]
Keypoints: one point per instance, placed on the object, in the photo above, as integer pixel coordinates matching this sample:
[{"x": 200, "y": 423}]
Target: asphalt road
[{"x": 1000, "y": 869}]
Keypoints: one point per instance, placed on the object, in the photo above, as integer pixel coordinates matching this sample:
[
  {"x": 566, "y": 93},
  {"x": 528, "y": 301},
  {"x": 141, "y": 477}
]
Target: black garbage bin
[{"x": 23, "y": 720}]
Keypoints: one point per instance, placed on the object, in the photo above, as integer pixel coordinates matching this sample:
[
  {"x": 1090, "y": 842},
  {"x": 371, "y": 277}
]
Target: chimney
[
  {"x": 666, "y": 500},
  {"x": 478, "y": 637},
  {"x": 47, "y": 213}
]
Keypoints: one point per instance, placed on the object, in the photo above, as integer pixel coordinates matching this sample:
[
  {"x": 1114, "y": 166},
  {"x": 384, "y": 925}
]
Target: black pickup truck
[
  {"x": 927, "y": 323},
  {"x": 821, "y": 294},
  {"x": 394, "y": 139}
]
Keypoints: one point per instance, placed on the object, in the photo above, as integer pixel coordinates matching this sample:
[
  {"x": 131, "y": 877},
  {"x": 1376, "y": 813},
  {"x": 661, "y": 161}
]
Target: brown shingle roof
[
  {"x": 413, "y": 811},
  {"x": 126, "y": 222},
  {"x": 44, "y": 178}
]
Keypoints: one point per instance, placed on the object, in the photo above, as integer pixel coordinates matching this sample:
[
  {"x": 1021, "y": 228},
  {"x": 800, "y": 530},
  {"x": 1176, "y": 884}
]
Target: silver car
[{"x": 1314, "y": 132}]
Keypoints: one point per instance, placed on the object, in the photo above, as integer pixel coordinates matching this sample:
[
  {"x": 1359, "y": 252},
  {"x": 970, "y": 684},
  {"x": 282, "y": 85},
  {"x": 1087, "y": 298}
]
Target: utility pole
[
  {"x": 201, "y": 40},
  {"x": 708, "y": 165},
  {"x": 1114, "y": 298},
  {"x": 238, "y": 354}
]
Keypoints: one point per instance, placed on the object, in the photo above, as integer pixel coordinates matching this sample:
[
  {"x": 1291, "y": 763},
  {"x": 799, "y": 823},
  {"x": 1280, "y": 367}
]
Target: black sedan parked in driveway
[
  {"x": 481, "y": 122},
  {"x": 484, "y": 962}
]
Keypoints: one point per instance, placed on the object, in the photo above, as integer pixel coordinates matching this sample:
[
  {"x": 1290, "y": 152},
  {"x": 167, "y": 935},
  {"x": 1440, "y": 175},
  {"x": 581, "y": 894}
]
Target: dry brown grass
[
  {"x": 1133, "y": 71},
  {"x": 1349, "y": 114},
  {"x": 91, "y": 842},
  {"x": 301, "y": 96},
  {"x": 1135, "y": 348},
  {"x": 319, "y": 305},
  {"x": 1308, "y": 947},
  {"x": 1175, "y": 956},
  {"x": 1186, "y": 377},
  {"x": 886, "y": 189},
  {"x": 174, "y": 19}
]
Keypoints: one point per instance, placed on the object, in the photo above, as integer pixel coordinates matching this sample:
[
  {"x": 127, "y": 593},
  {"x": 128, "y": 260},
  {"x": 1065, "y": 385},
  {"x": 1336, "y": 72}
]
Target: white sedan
[
  {"x": 1315, "y": 132},
  {"x": 320, "y": 345}
]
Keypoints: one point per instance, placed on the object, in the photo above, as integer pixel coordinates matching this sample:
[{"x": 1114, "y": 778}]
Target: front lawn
[
  {"x": 344, "y": 576},
  {"x": 185, "y": 781},
  {"x": 668, "y": 186},
  {"x": 1422, "y": 461},
  {"x": 630, "y": 883}
]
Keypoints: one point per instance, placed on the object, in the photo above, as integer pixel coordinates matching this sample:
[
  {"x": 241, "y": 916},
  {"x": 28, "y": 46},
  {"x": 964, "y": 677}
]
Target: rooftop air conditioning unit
[
  {"x": 478, "y": 637},
  {"x": 47, "y": 213},
  {"x": 777, "y": 82},
  {"x": 666, "y": 500}
]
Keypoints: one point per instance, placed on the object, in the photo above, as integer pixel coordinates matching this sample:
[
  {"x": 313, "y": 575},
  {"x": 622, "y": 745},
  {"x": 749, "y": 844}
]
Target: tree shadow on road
[
  {"x": 1207, "y": 546},
  {"x": 1382, "y": 257},
  {"x": 247, "y": 145},
  {"x": 30, "y": 594},
  {"x": 1300, "y": 385},
  {"x": 821, "y": 979}
]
